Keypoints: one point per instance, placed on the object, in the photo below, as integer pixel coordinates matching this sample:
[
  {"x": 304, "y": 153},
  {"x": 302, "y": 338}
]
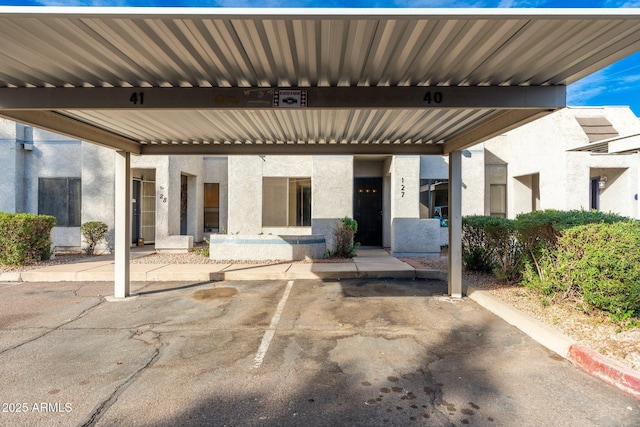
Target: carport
[{"x": 296, "y": 81}]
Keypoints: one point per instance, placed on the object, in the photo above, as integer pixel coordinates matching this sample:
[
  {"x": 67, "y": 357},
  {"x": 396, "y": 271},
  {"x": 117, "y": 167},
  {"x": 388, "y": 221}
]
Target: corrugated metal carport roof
[{"x": 264, "y": 50}]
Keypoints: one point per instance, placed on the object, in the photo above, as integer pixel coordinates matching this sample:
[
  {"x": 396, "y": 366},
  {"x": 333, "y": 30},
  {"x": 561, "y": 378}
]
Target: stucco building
[
  {"x": 247, "y": 203},
  {"x": 535, "y": 166}
]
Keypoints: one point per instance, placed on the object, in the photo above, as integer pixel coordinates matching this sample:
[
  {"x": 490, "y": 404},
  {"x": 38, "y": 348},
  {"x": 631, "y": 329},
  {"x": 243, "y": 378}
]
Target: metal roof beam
[
  {"x": 57, "y": 123},
  {"x": 291, "y": 149},
  {"x": 157, "y": 98},
  {"x": 495, "y": 126}
]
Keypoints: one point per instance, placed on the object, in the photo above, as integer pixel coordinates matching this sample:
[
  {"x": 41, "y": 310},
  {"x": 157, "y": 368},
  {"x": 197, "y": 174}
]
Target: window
[
  {"x": 212, "y": 207},
  {"x": 434, "y": 198},
  {"x": 286, "y": 202},
  {"x": 61, "y": 198},
  {"x": 498, "y": 200}
]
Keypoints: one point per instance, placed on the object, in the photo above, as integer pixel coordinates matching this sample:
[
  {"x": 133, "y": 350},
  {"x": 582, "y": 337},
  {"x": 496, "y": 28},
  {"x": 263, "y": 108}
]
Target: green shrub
[
  {"x": 476, "y": 252},
  {"x": 343, "y": 233},
  {"x": 538, "y": 231},
  {"x": 25, "y": 238},
  {"x": 489, "y": 244},
  {"x": 204, "y": 251},
  {"x": 507, "y": 249},
  {"x": 597, "y": 265},
  {"x": 93, "y": 233}
]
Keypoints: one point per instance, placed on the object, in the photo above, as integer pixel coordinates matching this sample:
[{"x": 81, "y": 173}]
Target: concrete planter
[{"x": 238, "y": 247}]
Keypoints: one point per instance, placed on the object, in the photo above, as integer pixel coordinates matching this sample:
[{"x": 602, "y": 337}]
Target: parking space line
[{"x": 271, "y": 330}]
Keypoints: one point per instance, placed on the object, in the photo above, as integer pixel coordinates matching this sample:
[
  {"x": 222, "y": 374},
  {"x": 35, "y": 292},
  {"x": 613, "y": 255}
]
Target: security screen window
[
  {"x": 61, "y": 198},
  {"x": 286, "y": 202}
]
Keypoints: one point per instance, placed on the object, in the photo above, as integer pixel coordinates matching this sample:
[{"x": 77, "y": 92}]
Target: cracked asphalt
[{"x": 308, "y": 353}]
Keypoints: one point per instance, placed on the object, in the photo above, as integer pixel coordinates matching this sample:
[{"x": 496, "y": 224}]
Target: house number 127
[{"x": 402, "y": 187}]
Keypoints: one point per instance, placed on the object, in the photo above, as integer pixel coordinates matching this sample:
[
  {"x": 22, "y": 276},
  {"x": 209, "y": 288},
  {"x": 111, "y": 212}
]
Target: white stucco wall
[
  {"x": 216, "y": 170},
  {"x": 331, "y": 194},
  {"x": 53, "y": 156},
  {"x": 12, "y": 163},
  {"x": 98, "y": 189},
  {"x": 473, "y": 182},
  {"x": 410, "y": 235},
  {"x": 168, "y": 172},
  {"x": 541, "y": 147},
  {"x": 192, "y": 168},
  {"x": 245, "y": 194},
  {"x": 246, "y": 175}
]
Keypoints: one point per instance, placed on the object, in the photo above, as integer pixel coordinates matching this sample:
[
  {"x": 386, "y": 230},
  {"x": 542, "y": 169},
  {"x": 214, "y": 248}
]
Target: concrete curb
[
  {"x": 10, "y": 277},
  {"x": 542, "y": 333},
  {"x": 203, "y": 276},
  {"x": 590, "y": 361},
  {"x": 608, "y": 370},
  {"x": 425, "y": 273}
]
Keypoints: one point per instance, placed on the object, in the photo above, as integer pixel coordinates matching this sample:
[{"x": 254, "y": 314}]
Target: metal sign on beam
[{"x": 81, "y": 98}]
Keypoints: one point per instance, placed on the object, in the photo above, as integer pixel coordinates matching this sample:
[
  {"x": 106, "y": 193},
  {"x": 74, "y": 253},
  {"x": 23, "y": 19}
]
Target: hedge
[
  {"x": 587, "y": 256},
  {"x": 597, "y": 265},
  {"x": 25, "y": 238},
  {"x": 489, "y": 244},
  {"x": 539, "y": 231}
]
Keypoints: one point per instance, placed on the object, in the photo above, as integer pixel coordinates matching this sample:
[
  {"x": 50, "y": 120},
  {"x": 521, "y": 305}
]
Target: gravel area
[
  {"x": 59, "y": 259},
  {"x": 594, "y": 329},
  {"x": 196, "y": 257}
]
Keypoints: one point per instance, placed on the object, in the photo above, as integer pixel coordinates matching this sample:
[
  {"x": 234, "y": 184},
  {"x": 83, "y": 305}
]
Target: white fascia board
[
  {"x": 625, "y": 145},
  {"x": 410, "y": 13}
]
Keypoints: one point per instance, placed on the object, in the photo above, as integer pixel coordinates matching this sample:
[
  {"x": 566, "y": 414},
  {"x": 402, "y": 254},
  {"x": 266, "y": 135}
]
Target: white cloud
[
  {"x": 580, "y": 92},
  {"x": 437, "y": 4},
  {"x": 471, "y": 3},
  {"x": 608, "y": 82},
  {"x": 520, "y": 3},
  {"x": 621, "y": 4}
]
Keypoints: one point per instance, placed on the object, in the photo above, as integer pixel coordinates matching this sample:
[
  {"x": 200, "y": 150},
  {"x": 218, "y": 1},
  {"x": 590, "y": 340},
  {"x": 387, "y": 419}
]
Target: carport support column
[
  {"x": 123, "y": 221},
  {"x": 637, "y": 196},
  {"x": 455, "y": 224}
]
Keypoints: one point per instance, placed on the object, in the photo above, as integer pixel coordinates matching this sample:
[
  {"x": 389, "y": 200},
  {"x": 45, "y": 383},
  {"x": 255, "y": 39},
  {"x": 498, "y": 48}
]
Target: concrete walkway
[{"x": 369, "y": 263}]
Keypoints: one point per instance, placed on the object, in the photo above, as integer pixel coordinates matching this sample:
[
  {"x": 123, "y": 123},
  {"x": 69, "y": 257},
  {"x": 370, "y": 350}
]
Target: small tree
[
  {"x": 343, "y": 233},
  {"x": 93, "y": 233}
]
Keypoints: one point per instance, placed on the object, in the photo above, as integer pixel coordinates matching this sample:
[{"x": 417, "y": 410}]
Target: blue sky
[{"x": 618, "y": 84}]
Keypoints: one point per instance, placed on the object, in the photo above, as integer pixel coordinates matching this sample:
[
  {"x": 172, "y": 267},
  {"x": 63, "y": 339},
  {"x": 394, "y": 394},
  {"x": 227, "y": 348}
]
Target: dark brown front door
[
  {"x": 183, "y": 204},
  {"x": 367, "y": 210}
]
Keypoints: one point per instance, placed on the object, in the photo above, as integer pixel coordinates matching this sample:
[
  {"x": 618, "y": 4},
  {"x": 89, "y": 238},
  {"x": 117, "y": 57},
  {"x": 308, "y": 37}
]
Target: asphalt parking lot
[{"x": 309, "y": 353}]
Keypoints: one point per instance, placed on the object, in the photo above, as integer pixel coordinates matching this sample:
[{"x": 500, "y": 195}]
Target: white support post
[
  {"x": 455, "y": 224},
  {"x": 637, "y": 195},
  {"x": 123, "y": 221}
]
